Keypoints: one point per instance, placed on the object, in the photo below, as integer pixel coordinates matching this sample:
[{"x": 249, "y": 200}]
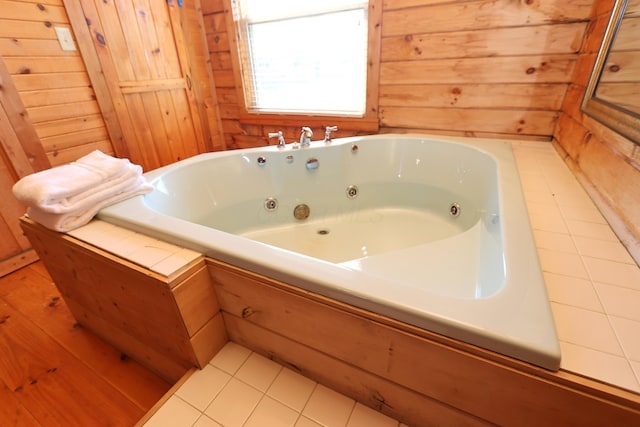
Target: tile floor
[
  {"x": 592, "y": 281},
  {"x": 242, "y": 388}
]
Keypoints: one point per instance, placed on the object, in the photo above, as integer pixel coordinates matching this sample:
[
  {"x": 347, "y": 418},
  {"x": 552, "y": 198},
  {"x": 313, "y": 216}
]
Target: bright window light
[{"x": 304, "y": 56}]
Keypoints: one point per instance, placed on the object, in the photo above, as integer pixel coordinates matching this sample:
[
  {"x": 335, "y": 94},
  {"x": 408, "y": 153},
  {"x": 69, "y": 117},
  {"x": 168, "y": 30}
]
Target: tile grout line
[
  {"x": 589, "y": 274},
  {"x": 573, "y": 236}
]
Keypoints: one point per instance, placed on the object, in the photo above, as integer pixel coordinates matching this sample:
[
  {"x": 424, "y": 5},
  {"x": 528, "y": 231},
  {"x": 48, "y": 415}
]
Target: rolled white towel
[
  {"x": 67, "y": 221},
  {"x": 62, "y": 188}
]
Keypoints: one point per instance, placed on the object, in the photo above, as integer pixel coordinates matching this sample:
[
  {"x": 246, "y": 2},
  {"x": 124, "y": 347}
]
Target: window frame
[{"x": 367, "y": 122}]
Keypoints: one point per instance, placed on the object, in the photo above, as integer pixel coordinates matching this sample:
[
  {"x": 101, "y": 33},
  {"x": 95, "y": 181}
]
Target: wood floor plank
[
  {"x": 57, "y": 388},
  {"x": 55, "y": 373},
  {"x": 40, "y": 301},
  {"x": 12, "y": 412}
]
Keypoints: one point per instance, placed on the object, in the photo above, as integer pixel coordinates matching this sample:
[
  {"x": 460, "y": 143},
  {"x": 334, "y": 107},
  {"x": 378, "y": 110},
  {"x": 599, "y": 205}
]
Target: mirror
[{"x": 613, "y": 94}]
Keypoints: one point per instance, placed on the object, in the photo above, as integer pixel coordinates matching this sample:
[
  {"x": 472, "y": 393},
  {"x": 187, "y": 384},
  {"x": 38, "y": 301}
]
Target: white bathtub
[{"x": 436, "y": 235}]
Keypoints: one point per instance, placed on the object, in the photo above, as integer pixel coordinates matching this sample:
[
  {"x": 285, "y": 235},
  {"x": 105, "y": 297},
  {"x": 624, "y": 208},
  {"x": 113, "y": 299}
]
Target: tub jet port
[
  {"x": 312, "y": 163},
  {"x": 301, "y": 211},
  {"x": 323, "y": 231},
  {"x": 454, "y": 209},
  {"x": 352, "y": 192},
  {"x": 270, "y": 204}
]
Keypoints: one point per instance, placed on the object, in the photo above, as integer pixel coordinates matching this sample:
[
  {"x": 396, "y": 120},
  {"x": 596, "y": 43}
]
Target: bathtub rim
[{"x": 516, "y": 322}]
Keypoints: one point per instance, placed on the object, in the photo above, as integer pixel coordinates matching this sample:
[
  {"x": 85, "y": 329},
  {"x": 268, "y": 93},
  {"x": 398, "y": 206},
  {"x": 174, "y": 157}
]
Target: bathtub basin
[{"x": 431, "y": 231}]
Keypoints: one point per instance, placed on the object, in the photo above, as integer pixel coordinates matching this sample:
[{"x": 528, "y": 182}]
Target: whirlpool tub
[{"x": 430, "y": 231}]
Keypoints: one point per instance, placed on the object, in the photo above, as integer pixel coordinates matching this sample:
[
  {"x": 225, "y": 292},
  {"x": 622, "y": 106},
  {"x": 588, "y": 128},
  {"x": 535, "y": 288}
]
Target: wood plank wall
[
  {"x": 608, "y": 160},
  {"x": 53, "y": 84},
  {"x": 489, "y": 68}
]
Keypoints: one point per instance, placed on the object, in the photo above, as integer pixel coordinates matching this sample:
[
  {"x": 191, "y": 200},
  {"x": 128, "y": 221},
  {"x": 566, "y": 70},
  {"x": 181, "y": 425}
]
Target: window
[{"x": 304, "y": 56}]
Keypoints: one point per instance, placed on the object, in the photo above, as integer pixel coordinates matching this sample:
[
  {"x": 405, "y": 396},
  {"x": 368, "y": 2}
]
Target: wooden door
[
  {"x": 20, "y": 154},
  {"x": 136, "y": 55}
]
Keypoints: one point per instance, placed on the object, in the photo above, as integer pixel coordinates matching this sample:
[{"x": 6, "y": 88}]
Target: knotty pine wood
[
  {"x": 44, "y": 74},
  {"x": 169, "y": 324},
  {"x": 20, "y": 155},
  {"x": 609, "y": 161},
  {"x": 195, "y": 43},
  {"x": 53, "y": 372},
  {"x": 147, "y": 63},
  {"x": 413, "y": 375},
  {"x": 468, "y": 59}
]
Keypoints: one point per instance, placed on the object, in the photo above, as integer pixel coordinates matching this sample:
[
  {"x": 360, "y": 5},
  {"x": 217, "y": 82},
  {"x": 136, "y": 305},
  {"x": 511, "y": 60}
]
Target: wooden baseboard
[{"x": 18, "y": 261}]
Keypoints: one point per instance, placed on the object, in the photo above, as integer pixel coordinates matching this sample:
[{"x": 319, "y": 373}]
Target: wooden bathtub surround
[
  {"x": 171, "y": 324},
  {"x": 416, "y": 376},
  {"x": 168, "y": 324}
]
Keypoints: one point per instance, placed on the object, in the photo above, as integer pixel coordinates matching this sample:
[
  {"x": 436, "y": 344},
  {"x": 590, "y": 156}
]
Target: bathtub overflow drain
[
  {"x": 352, "y": 191},
  {"x": 301, "y": 211},
  {"x": 454, "y": 209},
  {"x": 270, "y": 204}
]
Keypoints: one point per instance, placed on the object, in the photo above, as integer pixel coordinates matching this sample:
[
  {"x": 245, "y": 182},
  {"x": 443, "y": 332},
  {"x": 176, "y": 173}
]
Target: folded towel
[
  {"x": 63, "y": 188},
  {"x": 131, "y": 178},
  {"x": 67, "y": 221},
  {"x": 69, "y": 196}
]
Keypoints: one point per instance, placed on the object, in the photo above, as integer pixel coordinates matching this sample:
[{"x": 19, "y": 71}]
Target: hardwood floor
[{"x": 55, "y": 373}]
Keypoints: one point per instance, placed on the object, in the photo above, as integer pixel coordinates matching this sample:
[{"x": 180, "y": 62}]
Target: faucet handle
[
  {"x": 305, "y": 136},
  {"x": 327, "y": 133},
  {"x": 281, "y": 141}
]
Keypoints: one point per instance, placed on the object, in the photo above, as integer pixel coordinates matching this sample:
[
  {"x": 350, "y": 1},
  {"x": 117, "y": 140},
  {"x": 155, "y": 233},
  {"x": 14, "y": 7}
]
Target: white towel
[
  {"x": 73, "y": 186},
  {"x": 69, "y": 196},
  {"x": 67, "y": 221}
]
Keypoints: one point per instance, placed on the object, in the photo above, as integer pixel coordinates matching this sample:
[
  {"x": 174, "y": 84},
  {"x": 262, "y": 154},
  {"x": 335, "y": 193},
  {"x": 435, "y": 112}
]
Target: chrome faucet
[
  {"x": 327, "y": 133},
  {"x": 281, "y": 141},
  {"x": 305, "y": 136}
]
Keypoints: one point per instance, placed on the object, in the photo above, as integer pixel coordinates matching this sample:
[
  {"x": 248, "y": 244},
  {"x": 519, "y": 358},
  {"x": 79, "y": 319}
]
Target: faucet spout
[{"x": 305, "y": 136}]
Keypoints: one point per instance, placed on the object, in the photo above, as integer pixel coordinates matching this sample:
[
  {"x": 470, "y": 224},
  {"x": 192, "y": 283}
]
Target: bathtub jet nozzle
[
  {"x": 271, "y": 204},
  {"x": 454, "y": 209}
]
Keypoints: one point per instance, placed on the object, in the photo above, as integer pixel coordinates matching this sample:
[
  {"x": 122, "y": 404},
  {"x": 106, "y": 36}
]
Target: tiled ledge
[
  {"x": 156, "y": 255},
  {"x": 592, "y": 281}
]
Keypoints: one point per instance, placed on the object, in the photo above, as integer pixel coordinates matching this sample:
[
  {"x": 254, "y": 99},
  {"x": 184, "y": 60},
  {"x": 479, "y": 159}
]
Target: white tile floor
[
  {"x": 592, "y": 281},
  {"x": 242, "y": 388}
]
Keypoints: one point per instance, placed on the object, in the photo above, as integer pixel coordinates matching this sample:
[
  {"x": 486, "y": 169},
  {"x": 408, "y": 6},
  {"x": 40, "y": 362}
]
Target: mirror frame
[{"x": 607, "y": 113}]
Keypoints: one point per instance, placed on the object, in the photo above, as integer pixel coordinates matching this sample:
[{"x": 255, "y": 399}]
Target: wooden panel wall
[
  {"x": 52, "y": 83},
  {"x": 20, "y": 155},
  {"x": 608, "y": 160},
  {"x": 496, "y": 68}
]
